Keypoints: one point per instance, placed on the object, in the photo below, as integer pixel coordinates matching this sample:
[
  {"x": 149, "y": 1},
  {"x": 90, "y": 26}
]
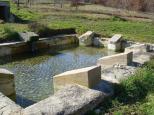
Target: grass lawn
[{"x": 103, "y": 24}]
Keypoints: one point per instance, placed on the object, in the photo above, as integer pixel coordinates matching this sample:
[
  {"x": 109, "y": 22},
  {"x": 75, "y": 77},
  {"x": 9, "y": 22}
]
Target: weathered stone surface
[
  {"x": 151, "y": 47},
  {"x": 118, "y": 73},
  {"x": 7, "y": 86},
  {"x": 8, "y": 107},
  {"x": 72, "y": 100},
  {"x": 137, "y": 48},
  {"x": 142, "y": 58},
  {"x": 29, "y": 36},
  {"x": 115, "y": 39},
  {"x": 109, "y": 61},
  {"x": 115, "y": 43},
  {"x": 88, "y": 77},
  {"x": 87, "y": 38},
  {"x": 97, "y": 42},
  {"x": 21, "y": 47}
]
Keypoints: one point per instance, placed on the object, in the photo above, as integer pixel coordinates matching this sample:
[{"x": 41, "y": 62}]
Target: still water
[{"x": 33, "y": 73}]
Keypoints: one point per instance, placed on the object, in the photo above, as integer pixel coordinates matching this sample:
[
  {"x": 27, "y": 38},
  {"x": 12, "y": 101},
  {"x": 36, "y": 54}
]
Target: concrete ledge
[
  {"x": 62, "y": 41},
  {"x": 88, "y": 77},
  {"x": 72, "y": 100},
  {"x": 8, "y": 107},
  {"x": 110, "y": 61}
]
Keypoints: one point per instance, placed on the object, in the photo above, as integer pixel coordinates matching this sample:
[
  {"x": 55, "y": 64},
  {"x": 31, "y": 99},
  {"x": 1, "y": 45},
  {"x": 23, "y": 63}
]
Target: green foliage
[
  {"x": 24, "y": 14},
  {"x": 134, "y": 95}
]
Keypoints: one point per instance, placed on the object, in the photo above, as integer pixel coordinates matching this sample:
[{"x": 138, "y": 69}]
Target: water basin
[{"x": 33, "y": 73}]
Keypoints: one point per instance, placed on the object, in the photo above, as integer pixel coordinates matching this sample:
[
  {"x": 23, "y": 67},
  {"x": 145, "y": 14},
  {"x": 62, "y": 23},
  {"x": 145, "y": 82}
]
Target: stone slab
[
  {"x": 72, "y": 100},
  {"x": 88, "y": 77},
  {"x": 110, "y": 61}
]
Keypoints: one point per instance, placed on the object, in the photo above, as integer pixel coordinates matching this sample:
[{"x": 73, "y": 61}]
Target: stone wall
[
  {"x": 110, "y": 61},
  {"x": 54, "y": 42},
  {"x": 88, "y": 77}
]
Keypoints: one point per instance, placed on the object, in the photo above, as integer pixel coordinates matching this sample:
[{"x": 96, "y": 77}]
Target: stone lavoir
[{"x": 85, "y": 90}]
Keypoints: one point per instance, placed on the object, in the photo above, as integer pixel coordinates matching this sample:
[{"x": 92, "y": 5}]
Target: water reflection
[{"x": 34, "y": 73}]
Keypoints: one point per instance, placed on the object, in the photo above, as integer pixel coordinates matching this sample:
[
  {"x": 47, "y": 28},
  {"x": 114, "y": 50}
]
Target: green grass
[
  {"x": 100, "y": 23},
  {"x": 134, "y": 95},
  {"x": 136, "y": 31}
]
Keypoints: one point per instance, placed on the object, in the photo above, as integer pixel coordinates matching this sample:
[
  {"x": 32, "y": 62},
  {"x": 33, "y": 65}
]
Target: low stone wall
[
  {"x": 45, "y": 43},
  {"x": 7, "y": 85},
  {"x": 71, "y": 100},
  {"x": 110, "y": 61},
  {"x": 88, "y": 77}
]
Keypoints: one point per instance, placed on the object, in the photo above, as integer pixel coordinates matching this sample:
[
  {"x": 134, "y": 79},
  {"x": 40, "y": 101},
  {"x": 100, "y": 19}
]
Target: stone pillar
[
  {"x": 115, "y": 43},
  {"x": 7, "y": 86},
  {"x": 86, "y": 39}
]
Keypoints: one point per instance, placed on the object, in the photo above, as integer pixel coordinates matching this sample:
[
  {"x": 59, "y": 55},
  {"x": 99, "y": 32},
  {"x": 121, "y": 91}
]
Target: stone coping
[
  {"x": 4, "y": 71},
  {"x": 41, "y": 39},
  {"x": 76, "y": 71}
]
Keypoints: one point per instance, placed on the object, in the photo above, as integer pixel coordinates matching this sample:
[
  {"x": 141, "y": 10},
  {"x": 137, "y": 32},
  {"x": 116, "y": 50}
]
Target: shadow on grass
[{"x": 20, "y": 20}]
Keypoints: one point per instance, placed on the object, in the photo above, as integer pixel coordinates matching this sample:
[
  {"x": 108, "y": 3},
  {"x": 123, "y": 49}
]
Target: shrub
[{"x": 137, "y": 86}]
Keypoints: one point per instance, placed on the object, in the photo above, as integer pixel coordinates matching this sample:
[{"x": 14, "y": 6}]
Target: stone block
[
  {"x": 72, "y": 100},
  {"x": 110, "y": 61},
  {"x": 88, "y": 77},
  {"x": 7, "y": 86},
  {"x": 115, "y": 39},
  {"x": 87, "y": 38},
  {"x": 29, "y": 36},
  {"x": 115, "y": 43}
]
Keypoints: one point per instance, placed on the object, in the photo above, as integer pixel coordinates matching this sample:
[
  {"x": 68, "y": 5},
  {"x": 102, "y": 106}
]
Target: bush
[
  {"x": 134, "y": 95},
  {"x": 137, "y": 86}
]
